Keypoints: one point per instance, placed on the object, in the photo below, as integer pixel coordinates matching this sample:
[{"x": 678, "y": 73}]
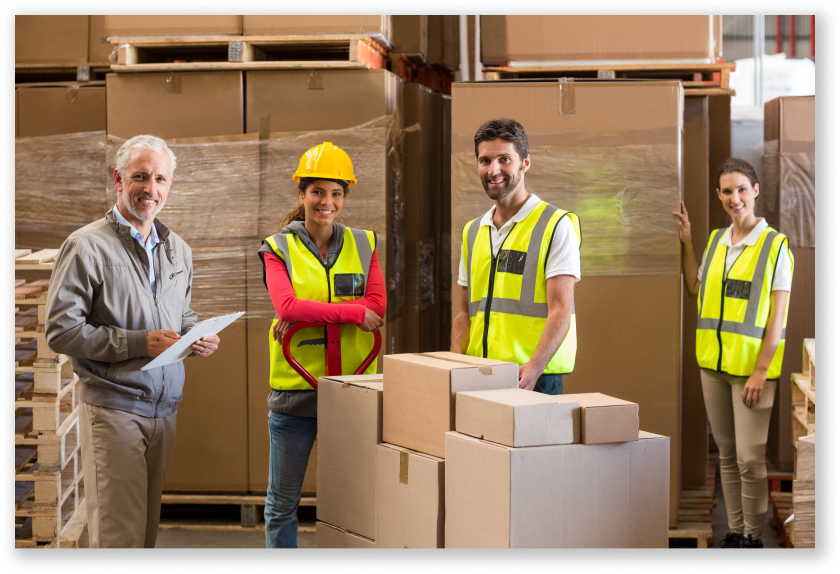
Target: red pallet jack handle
[{"x": 332, "y": 338}]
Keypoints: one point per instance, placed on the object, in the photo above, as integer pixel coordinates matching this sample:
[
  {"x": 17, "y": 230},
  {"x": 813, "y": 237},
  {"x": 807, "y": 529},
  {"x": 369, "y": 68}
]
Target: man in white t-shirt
[{"x": 519, "y": 266}]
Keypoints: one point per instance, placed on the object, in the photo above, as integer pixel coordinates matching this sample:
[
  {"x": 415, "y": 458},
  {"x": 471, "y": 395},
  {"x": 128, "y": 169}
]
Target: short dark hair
[
  {"x": 736, "y": 165},
  {"x": 505, "y": 129}
]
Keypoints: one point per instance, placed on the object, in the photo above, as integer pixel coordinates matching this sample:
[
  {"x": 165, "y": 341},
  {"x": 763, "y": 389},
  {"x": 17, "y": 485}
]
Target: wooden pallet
[
  {"x": 782, "y": 503},
  {"x": 48, "y": 410},
  {"x": 697, "y": 79},
  {"x": 49, "y": 375},
  {"x": 189, "y": 53},
  {"x": 250, "y": 518},
  {"x": 695, "y": 510},
  {"x": 40, "y": 523},
  {"x": 802, "y": 407},
  {"x": 809, "y": 360},
  {"x": 50, "y": 73},
  {"x": 435, "y": 78},
  {"x": 54, "y": 450}
]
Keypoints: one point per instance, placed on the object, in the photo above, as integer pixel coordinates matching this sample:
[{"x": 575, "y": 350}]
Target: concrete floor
[{"x": 202, "y": 539}]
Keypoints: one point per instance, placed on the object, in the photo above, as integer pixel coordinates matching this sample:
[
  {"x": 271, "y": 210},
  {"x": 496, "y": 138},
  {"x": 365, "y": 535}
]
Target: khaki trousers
[
  {"x": 125, "y": 460},
  {"x": 741, "y": 436}
]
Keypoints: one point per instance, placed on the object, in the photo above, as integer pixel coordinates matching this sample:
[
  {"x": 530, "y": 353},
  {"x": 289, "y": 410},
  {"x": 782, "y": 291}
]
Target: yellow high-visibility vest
[
  {"x": 513, "y": 286},
  {"x": 734, "y": 307},
  {"x": 345, "y": 280}
]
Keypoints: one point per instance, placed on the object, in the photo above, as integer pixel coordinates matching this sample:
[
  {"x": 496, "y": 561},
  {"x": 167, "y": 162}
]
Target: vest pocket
[
  {"x": 349, "y": 284},
  {"x": 738, "y": 289},
  {"x": 511, "y": 261}
]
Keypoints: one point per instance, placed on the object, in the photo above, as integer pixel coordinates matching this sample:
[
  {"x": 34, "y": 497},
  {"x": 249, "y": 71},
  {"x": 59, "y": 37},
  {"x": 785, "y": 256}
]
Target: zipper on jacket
[
  {"x": 174, "y": 274},
  {"x": 160, "y": 326},
  {"x": 490, "y": 286},
  {"x": 722, "y": 301}
]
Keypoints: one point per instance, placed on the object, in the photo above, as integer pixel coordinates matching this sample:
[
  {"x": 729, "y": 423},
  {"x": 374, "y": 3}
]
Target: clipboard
[{"x": 181, "y": 350}]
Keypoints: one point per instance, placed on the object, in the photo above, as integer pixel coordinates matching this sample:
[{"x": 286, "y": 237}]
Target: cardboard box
[
  {"x": 606, "y": 419},
  {"x": 565, "y": 496},
  {"x": 329, "y": 536},
  {"x": 313, "y": 100},
  {"x": 410, "y": 36},
  {"x": 594, "y": 39},
  {"x": 516, "y": 417},
  {"x": 47, "y": 111},
  {"x": 789, "y": 189},
  {"x": 444, "y": 44},
  {"x": 372, "y": 25},
  {"x": 419, "y": 402},
  {"x": 172, "y": 105},
  {"x": 409, "y": 498},
  {"x": 629, "y": 306},
  {"x": 171, "y": 25},
  {"x": 60, "y": 40},
  {"x": 99, "y": 48},
  {"x": 349, "y": 428}
]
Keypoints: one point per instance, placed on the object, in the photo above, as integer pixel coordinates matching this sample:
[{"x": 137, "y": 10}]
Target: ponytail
[{"x": 297, "y": 214}]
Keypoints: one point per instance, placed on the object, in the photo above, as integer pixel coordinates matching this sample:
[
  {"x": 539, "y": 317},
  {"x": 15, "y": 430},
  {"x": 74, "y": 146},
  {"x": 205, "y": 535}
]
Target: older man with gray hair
[{"x": 120, "y": 294}]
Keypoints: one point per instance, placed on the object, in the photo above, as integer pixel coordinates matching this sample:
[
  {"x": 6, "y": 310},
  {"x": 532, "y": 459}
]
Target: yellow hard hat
[{"x": 326, "y": 161}]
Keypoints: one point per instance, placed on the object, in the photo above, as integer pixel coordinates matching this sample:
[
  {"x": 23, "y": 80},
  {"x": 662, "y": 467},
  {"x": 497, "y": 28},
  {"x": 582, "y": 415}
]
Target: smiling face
[
  {"x": 322, "y": 201},
  {"x": 144, "y": 187},
  {"x": 500, "y": 168},
  {"x": 737, "y": 195}
]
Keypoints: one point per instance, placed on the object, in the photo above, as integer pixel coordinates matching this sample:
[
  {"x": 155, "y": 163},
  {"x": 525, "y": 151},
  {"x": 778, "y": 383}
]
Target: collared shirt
[
  {"x": 563, "y": 254},
  {"x": 783, "y": 278},
  {"x": 149, "y": 245}
]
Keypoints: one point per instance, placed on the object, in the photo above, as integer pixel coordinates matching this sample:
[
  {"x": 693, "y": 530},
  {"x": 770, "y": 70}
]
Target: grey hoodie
[{"x": 100, "y": 307}]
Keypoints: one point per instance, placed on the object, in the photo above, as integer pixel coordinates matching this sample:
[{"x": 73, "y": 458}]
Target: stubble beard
[
  {"x": 129, "y": 205},
  {"x": 506, "y": 190}
]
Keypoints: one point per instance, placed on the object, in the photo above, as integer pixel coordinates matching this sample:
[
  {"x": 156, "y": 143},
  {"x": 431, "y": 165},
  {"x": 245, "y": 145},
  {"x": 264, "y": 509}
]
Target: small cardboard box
[
  {"x": 409, "y": 498},
  {"x": 564, "y": 496},
  {"x": 419, "y": 401},
  {"x": 329, "y": 536},
  {"x": 349, "y": 428},
  {"x": 53, "y": 110},
  {"x": 606, "y": 419},
  {"x": 516, "y": 417}
]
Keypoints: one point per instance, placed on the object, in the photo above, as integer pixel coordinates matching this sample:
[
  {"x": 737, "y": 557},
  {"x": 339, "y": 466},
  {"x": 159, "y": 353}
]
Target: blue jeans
[
  {"x": 549, "y": 384},
  {"x": 291, "y": 442}
]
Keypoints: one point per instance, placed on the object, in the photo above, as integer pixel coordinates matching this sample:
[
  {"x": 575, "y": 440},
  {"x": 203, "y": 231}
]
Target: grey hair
[{"x": 146, "y": 142}]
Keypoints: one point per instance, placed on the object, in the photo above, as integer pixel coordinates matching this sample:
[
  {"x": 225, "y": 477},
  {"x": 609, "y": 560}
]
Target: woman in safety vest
[
  {"x": 742, "y": 288},
  {"x": 318, "y": 270}
]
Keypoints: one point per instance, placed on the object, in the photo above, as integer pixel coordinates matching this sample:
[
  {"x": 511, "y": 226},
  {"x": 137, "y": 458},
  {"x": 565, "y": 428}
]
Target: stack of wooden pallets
[
  {"x": 695, "y": 518},
  {"x": 803, "y": 394},
  {"x": 49, "y": 487}
]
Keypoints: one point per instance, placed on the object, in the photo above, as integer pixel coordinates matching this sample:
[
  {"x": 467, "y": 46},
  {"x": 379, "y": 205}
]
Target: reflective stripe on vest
[
  {"x": 345, "y": 280},
  {"x": 518, "y": 301},
  {"x": 734, "y": 306}
]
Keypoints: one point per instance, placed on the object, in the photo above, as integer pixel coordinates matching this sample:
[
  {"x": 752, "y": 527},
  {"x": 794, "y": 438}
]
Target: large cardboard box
[
  {"x": 565, "y": 496},
  {"x": 99, "y": 48},
  {"x": 611, "y": 152},
  {"x": 410, "y": 36},
  {"x": 444, "y": 44},
  {"x": 409, "y": 498},
  {"x": 596, "y": 39},
  {"x": 371, "y": 25},
  {"x": 46, "y": 111},
  {"x": 329, "y": 536},
  {"x": 789, "y": 189},
  {"x": 349, "y": 428},
  {"x": 695, "y": 433},
  {"x": 419, "y": 400},
  {"x": 517, "y": 417},
  {"x": 175, "y": 105},
  {"x": 61, "y": 40},
  {"x": 172, "y": 25}
]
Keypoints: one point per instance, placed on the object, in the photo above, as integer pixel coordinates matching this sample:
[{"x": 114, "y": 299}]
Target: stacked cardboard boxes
[
  {"x": 526, "y": 470},
  {"x": 611, "y": 152},
  {"x": 600, "y": 39},
  {"x": 789, "y": 189}
]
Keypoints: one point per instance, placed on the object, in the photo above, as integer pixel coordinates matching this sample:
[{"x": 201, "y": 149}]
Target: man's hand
[
  {"x": 279, "y": 330},
  {"x": 205, "y": 346},
  {"x": 158, "y": 341},
  {"x": 528, "y": 376}
]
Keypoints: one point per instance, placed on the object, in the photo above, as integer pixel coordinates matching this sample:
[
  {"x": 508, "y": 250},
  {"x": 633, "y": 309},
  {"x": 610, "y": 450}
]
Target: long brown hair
[
  {"x": 736, "y": 165},
  {"x": 299, "y": 212}
]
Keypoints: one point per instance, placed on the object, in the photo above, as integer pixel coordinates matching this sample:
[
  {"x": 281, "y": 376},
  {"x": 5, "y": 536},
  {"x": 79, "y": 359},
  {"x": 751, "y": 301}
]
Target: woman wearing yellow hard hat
[{"x": 317, "y": 270}]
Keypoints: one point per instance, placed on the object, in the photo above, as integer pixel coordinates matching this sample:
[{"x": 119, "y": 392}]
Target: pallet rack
[{"x": 49, "y": 485}]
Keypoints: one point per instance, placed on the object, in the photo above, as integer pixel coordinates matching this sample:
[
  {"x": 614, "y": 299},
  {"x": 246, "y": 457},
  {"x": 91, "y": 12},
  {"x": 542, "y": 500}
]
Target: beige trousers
[
  {"x": 741, "y": 436},
  {"x": 125, "y": 460}
]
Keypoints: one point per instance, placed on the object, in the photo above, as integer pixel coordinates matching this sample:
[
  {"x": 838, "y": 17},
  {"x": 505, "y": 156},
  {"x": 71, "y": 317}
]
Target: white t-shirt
[
  {"x": 783, "y": 277},
  {"x": 563, "y": 254}
]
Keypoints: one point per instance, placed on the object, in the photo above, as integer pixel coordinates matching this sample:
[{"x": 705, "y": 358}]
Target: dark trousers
[{"x": 549, "y": 384}]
